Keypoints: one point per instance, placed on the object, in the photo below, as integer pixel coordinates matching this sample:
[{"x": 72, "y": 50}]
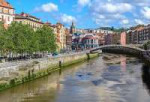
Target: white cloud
[
  {"x": 125, "y": 21},
  {"x": 134, "y": 2},
  {"x": 146, "y": 12},
  {"x": 84, "y": 2},
  {"x": 138, "y": 21},
  {"x": 49, "y": 7},
  {"x": 116, "y": 8},
  {"x": 110, "y": 7},
  {"x": 67, "y": 19},
  {"x": 108, "y": 12}
]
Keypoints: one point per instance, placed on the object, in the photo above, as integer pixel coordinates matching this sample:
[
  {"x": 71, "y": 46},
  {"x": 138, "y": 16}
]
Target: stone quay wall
[{"x": 24, "y": 71}]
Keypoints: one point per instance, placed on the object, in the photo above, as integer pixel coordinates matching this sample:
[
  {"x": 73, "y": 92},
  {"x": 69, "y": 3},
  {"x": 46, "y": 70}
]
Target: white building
[
  {"x": 102, "y": 31},
  {"x": 6, "y": 13}
]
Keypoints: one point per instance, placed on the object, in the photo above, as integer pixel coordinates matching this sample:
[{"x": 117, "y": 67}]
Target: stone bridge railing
[{"x": 129, "y": 50}]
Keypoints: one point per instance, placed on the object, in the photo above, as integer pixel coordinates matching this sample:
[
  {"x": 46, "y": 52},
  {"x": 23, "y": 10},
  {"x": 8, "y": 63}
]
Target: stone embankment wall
[
  {"x": 146, "y": 55},
  {"x": 14, "y": 73}
]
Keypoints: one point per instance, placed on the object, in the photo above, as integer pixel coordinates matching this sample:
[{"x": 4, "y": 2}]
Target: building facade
[
  {"x": 102, "y": 31},
  {"x": 25, "y": 18},
  {"x": 101, "y": 38},
  {"x": 112, "y": 39},
  {"x": 6, "y": 13},
  {"x": 139, "y": 35},
  {"x": 84, "y": 41},
  {"x": 68, "y": 40},
  {"x": 123, "y": 38},
  {"x": 90, "y": 41},
  {"x": 60, "y": 31}
]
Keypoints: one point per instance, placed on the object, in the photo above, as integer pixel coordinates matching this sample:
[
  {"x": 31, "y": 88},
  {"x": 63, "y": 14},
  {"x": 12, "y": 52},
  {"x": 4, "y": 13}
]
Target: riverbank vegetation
[{"x": 20, "y": 40}]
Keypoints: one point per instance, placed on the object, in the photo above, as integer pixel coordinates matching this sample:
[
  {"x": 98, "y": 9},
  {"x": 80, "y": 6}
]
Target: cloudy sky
[{"x": 88, "y": 13}]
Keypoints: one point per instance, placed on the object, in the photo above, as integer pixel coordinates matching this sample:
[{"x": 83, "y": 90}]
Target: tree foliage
[
  {"x": 20, "y": 38},
  {"x": 46, "y": 39}
]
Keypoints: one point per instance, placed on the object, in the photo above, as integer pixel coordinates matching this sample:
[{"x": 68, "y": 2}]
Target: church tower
[{"x": 72, "y": 28}]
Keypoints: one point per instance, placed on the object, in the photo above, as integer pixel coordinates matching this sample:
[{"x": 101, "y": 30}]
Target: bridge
[{"x": 120, "y": 49}]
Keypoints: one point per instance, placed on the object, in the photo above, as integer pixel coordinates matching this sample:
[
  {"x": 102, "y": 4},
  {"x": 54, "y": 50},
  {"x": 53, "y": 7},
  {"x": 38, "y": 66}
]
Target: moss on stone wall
[{"x": 43, "y": 72}]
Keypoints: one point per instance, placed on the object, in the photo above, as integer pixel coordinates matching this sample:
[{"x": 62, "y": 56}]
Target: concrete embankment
[{"x": 31, "y": 70}]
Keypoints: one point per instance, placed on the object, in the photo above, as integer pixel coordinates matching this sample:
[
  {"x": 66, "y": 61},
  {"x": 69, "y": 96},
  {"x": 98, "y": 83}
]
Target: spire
[
  {"x": 73, "y": 25},
  {"x": 72, "y": 28}
]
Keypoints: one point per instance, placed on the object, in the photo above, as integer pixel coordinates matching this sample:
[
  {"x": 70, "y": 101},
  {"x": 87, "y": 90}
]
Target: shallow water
[{"x": 109, "y": 78}]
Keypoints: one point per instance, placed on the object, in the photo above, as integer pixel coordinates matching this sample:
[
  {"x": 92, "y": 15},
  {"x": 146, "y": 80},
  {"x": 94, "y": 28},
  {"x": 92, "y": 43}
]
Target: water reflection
[
  {"x": 109, "y": 78},
  {"x": 123, "y": 60},
  {"x": 146, "y": 76}
]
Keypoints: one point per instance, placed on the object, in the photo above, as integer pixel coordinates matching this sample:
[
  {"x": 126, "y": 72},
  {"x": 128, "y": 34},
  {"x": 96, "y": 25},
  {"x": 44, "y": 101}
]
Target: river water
[{"x": 109, "y": 78}]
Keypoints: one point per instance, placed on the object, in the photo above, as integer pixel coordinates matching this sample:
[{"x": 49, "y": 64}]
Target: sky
[{"x": 87, "y": 13}]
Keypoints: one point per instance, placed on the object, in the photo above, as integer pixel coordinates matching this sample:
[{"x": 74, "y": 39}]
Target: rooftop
[{"x": 6, "y": 4}]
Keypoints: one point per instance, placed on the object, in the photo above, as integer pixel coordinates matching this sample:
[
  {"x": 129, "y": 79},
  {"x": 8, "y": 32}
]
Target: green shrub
[{"x": 12, "y": 82}]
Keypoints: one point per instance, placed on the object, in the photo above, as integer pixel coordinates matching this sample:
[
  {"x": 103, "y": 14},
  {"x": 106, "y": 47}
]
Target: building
[
  {"x": 102, "y": 31},
  {"x": 115, "y": 38},
  {"x": 90, "y": 41},
  {"x": 84, "y": 41},
  {"x": 112, "y": 39},
  {"x": 139, "y": 35},
  {"x": 68, "y": 40},
  {"x": 6, "y": 13},
  {"x": 101, "y": 38},
  {"x": 72, "y": 28},
  {"x": 76, "y": 41},
  {"x": 60, "y": 31},
  {"x": 108, "y": 39},
  {"x": 25, "y": 18},
  {"x": 129, "y": 37},
  {"x": 123, "y": 38}
]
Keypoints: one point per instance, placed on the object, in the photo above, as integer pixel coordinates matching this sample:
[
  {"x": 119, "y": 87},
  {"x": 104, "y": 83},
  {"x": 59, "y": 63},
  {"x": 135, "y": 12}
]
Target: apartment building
[
  {"x": 25, "y": 18},
  {"x": 6, "y": 13}
]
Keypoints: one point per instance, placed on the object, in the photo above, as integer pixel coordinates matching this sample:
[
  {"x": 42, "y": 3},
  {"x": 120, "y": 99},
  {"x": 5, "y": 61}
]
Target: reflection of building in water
[
  {"x": 123, "y": 60},
  {"x": 146, "y": 76}
]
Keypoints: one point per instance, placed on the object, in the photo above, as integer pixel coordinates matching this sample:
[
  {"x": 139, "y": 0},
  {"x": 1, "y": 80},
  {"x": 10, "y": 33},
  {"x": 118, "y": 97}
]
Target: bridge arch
[{"x": 128, "y": 50}]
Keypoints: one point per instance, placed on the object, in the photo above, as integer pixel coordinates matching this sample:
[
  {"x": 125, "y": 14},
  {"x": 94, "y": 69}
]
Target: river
[{"x": 109, "y": 78}]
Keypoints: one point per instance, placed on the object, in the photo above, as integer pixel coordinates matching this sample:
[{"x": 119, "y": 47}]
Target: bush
[
  {"x": 3, "y": 86},
  {"x": 12, "y": 82}
]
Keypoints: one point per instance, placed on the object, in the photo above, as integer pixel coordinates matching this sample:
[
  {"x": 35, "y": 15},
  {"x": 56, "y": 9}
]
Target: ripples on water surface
[{"x": 109, "y": 78}]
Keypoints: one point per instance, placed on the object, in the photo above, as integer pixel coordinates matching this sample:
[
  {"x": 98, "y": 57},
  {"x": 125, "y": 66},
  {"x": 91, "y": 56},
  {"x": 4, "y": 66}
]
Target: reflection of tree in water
[{"x": 146, "y": 76}]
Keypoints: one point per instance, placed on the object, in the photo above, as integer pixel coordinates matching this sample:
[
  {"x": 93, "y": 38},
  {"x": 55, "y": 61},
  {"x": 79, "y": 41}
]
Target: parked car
[{"x": 55, "y": 54}]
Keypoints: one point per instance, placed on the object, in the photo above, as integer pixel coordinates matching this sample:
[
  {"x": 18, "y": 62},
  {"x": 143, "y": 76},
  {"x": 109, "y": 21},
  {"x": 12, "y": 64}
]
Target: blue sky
[{"x": 88, "y": 13}]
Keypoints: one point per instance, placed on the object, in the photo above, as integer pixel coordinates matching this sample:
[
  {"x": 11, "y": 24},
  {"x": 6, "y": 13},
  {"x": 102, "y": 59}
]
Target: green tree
[
  {"x": 20, "y": 37},
  {"x": 2, "y": 38},
  {"x": 46, "y": 39}
]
